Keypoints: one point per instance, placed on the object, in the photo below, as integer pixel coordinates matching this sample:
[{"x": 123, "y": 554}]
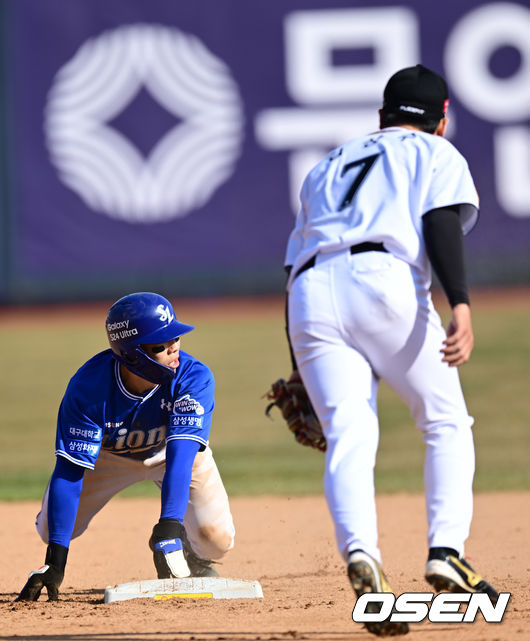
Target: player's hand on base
[
  {"x": 48, "y": 577},
  {"x": 459, "y": 342},
  {"x": 168, "y": 550},
  {"x": 169, "y": 559}
]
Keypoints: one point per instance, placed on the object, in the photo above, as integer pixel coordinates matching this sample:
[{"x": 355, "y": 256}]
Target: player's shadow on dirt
[
  {"x": 92, "y": 596},
  {"x": 83, "y": 596}
]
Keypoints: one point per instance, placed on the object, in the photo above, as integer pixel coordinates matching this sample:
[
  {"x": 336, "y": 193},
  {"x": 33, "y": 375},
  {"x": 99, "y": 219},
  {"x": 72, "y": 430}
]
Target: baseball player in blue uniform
[
  {"x": 139, "y": 410},
  {"x": 376, "y": 214}
]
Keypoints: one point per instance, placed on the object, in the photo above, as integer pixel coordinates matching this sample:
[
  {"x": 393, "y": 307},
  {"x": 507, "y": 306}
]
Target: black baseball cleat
[
  {"x": 367, "y": 576},
  {"x": 202, "y": 567},
  {"x": 447, "y": 572}
]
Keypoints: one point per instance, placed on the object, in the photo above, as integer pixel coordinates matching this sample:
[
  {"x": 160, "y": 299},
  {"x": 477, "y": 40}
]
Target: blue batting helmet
[{"x": 140, "y": 319}]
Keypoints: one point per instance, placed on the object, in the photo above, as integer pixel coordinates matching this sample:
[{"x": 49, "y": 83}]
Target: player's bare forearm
[{"x": 459, "y": 342}]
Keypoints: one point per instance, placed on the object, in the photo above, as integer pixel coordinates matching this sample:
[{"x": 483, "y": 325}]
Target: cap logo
[
  {"x": 164, "y": 313},
  {"x": 414, "y": 110}
]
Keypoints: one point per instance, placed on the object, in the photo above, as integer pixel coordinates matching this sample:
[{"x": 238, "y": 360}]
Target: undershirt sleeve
[
  {"x": 180, "y": 455},
  {"x": 291, "y": 352},
  {"x": 444, "y": 241},
  {"x": 65, "y": 488}
]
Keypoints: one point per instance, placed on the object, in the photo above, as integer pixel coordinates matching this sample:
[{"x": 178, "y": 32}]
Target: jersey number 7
[{"x": 365, "y": 165}]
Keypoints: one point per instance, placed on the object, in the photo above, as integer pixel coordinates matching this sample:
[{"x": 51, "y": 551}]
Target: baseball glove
[{"x": 291, "y": 398}]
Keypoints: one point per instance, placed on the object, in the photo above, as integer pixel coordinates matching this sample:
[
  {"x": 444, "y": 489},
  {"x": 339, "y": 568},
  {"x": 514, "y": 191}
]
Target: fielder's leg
[
  {"x": 433, "y": 393},
  {"x": 343, "y": 390},
  {"x": 388, "y": 316}
]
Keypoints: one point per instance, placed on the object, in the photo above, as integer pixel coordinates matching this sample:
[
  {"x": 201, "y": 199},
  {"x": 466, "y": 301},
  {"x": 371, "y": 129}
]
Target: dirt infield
[{"x": 285, "y": 543}]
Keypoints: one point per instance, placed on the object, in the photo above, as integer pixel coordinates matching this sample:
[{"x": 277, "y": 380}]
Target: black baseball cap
[{"x": 417, "y": 92}]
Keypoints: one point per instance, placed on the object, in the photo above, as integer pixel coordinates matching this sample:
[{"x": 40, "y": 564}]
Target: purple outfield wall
[{"x": 160, "y": 145}]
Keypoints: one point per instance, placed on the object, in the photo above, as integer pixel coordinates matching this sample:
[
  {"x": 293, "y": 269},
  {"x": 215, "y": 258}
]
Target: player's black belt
[{"x": 354, "y": 249}]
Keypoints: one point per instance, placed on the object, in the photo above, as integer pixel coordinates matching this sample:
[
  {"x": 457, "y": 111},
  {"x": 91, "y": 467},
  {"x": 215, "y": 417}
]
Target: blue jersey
[{"x": 98, "y": 412}]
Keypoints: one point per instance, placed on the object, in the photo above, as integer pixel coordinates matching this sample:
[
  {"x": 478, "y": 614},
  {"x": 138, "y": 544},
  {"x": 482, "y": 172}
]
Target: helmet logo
[{"x": 165, "y": 313}]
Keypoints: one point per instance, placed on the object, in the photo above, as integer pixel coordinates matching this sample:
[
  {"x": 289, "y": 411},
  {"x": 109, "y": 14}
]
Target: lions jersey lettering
[
  {"x": 363, "y": 192},
  {"x": 130, "y": 425}
]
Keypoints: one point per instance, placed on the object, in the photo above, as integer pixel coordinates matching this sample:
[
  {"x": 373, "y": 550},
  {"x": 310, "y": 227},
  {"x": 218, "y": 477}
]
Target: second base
[{"x": 190, "y": 588}]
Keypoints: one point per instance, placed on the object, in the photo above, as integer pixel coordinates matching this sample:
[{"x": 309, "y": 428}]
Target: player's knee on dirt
[
  {"x": 41, "y": 524},
  {"x": 215, "y": 541}
]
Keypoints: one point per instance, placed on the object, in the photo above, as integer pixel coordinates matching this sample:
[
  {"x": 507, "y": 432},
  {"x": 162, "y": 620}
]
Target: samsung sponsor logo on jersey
[
  {"x": 186, "y": 421},
  {"x": 186, "y": 404},
  {"x": 81, "y": 447}
]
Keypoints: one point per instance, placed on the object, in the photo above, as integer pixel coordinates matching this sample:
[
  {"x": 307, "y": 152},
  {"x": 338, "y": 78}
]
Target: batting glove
[
  {"x": 49, "y": 576},
  {"x": 168, "y": 554}
]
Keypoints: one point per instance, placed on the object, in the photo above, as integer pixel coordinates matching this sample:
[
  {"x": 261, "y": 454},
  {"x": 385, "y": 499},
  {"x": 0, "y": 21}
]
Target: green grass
[{"x": 255, "y": 454}]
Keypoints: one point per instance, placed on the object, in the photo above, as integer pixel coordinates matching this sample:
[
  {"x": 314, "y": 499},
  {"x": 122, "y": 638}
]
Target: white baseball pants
[
  {"x": 208, "y": 522},
  {"x": 355, "y": 319}
]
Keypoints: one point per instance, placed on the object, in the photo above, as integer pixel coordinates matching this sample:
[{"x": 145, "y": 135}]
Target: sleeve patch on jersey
[
  {"x": 187, "y": 405},
  {"x": 83, "y": 433},
  {"x": 91, "y": 449},
  {"x": 186, "y": 421}
]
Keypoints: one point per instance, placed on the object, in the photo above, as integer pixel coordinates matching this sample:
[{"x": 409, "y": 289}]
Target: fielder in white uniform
[{"x": 375, "y": 214}]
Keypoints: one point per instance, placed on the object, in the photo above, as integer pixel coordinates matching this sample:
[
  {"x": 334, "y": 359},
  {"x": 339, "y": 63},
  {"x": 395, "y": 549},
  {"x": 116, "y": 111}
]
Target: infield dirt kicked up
[{"x": 285, "y": 543}]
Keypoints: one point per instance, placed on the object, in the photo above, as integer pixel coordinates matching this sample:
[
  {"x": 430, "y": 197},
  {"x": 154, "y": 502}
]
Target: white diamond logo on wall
[{"x": 104, "y": 167}]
